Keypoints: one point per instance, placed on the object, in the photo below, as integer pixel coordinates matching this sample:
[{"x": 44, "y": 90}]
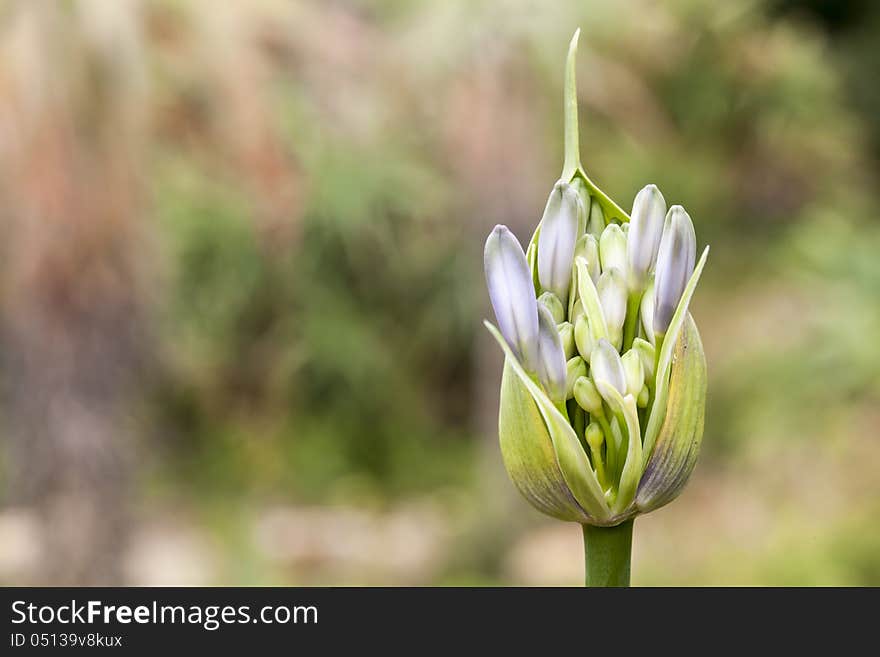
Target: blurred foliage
[{"x": 322, "y": 176}]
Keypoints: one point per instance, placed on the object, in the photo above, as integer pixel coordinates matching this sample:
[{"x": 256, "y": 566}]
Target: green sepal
[
  {"x": 678, "y": 442},
  {"x": 547, "y": 483}
]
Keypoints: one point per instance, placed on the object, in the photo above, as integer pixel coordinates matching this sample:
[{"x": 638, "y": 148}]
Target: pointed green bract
[{"x": 570, "y": 112}]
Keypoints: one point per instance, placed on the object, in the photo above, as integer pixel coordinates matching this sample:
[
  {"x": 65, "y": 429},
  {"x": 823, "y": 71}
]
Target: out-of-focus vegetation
[{"x": 242, "y": 288}]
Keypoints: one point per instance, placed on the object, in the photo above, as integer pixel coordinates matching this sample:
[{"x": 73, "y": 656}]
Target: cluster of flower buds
[{"x": 603, "y": 392}]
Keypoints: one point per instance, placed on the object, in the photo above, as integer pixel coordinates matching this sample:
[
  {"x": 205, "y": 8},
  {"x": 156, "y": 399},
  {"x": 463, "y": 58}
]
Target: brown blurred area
[{"x": 241, "y": 289}]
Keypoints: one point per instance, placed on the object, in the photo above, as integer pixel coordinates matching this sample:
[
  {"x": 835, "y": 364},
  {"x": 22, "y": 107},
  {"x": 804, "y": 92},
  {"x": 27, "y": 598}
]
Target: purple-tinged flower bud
[
  {"x": 606, "y": 369},
  {"x": 556, "y": 242},
  {"x": 612, "y": 248},
  {"x": 512, "y": 293},
  {"x": 550, "y": 364},
  {"x": 675, "y": 264},
  {"x": 643, "y": 241}
]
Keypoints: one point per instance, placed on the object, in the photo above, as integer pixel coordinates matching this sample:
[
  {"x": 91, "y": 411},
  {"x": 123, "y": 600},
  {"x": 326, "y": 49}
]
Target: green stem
[
  {"x": 608, "y": 551},
  {"x": 631, "y": 325}
]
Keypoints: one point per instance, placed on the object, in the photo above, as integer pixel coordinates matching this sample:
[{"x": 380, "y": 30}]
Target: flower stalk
[{"x": 607, "y": 555}]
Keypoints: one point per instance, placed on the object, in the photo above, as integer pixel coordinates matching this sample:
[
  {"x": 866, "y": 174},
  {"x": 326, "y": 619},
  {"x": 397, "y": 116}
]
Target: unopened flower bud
[
  {"x": 612, "y": 296},
  {"x": 607, "y": 370},
  {"x": 646, "y": 312},
  {"x": 586, "y": 396},
  {"x": 557, "y": 239},
  {"x": 575, "y": 368},
  {"x": 596, "y": 224},
  {"x": 675, "y": 264},
  {"x": 588, "y": 248},
  {"x": 635, "y": 373},
  {"x": 612, "y": 248},
  {"x": 594, "y": 436},
  {"x": 566, "y": 337},
  {"x": 512, "y": 293},
  {"x": 643, "y": 240},
  {"x": 551, "y": 359},
  {"x": 554, "y": 305},
  {"x": 583, "y": 337},
  {"x": 646, "y": 353}
]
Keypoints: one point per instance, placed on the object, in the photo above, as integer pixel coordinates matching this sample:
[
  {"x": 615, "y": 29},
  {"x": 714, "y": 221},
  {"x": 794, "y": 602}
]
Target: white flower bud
[
  {"x": 612, "y": 248},
  {"x": 588, "y": 248},
  {"x": 612, "y": 296},
  {"x": 607, "y": 370},
  {"x": 643, "y": 240},
  {"x": 557, "y": 239}
]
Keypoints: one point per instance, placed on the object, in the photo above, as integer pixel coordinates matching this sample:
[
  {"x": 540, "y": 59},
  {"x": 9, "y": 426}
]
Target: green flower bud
[
  {"x": 583, "y": 337},
  {"x": 566, "y": 337},
  {"x": 554, "y": 305},
  {"x": 596, "y": 224},
  {"x": 612, "y": 248},
  {"x": 612, "y": 296},
  {"x": 635, "y": 373},
  {"x": 587, "y": 397},
  {"x": 575, "y": 369}
]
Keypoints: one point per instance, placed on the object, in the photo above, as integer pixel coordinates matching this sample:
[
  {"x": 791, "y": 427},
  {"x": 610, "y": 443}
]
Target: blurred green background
[{"x": 241, "y": 282}]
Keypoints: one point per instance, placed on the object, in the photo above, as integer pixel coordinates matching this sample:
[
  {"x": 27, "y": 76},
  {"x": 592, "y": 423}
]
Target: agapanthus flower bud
[
  {"x": 643, "y": 239},
  {"x": 635, "y": 373},
  {"x": 566, "y": 337},
  {"x": 587, "y": 247},
  {"x": 557, "y": 240},
  {"x": 675, "y": 264},
  {"x": 575, "y": 369},
  {"x": 596, "y": 223},
  {"x": 586, "y": 395},
  {"x": 550, "y": 356},
  {"x": 552, "y": 303},
  {"x": 512, "y": 292},
  {"x": 628, "y": 443},
  {"x": 607, "y": 371},
  {"x": 646, "y": 312},
  {"x": 612, "y": 248},
  {"x": 612, "y": 296},
  {"x": 583, "y": 337}
]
